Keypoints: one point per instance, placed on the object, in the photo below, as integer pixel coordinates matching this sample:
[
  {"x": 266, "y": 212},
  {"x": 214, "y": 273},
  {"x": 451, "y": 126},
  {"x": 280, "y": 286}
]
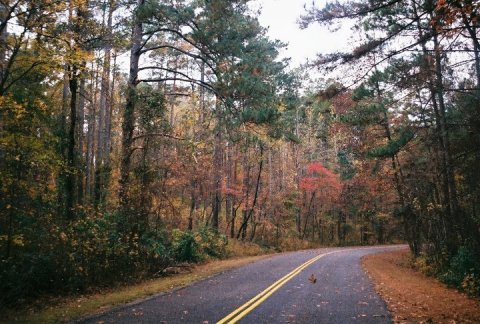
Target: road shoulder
[{"x": 413, "y": 297}]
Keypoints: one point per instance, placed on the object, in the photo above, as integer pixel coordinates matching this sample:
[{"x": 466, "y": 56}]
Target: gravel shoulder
[{"x": 413, "y": 297}]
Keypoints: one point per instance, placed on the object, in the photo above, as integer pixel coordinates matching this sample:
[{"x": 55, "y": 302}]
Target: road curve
[{"x": 314, "y": 286}]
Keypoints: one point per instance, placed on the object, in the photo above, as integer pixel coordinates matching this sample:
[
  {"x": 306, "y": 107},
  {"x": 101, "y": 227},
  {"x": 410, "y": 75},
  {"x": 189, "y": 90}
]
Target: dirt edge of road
[{"x": 412, "y": 297}]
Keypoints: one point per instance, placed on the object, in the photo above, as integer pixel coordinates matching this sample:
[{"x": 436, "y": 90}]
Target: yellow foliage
[{"x": 471, "y": 284}]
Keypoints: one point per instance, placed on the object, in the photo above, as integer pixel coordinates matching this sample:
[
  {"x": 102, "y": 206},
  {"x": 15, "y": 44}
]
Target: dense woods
[{"x": 138, "y": 134}]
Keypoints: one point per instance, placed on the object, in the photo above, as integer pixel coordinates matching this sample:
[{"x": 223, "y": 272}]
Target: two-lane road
[{"x": 315, "y": 286}]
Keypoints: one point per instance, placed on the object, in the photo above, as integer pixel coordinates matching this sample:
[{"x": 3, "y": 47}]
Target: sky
[{"x": 280, "y": 17}]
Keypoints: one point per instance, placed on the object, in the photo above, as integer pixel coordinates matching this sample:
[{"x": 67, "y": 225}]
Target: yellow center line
[{"x": 246, "y": 308}]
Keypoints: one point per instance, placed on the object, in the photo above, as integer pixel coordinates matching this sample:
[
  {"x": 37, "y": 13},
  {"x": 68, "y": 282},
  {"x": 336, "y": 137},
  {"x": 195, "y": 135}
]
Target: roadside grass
[
  {"x": 64, "y": 309},
  {"x": 297, "y": 244},
  {"x": 237, "y": 248}
]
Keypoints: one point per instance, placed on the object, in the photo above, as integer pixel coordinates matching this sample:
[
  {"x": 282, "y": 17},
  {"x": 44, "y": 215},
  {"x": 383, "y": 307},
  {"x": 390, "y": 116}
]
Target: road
[{"x": 314, "y": 286}]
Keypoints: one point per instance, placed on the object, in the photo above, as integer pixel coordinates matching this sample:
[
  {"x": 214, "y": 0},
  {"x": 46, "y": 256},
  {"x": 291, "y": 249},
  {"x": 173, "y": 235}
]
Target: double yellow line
[{"x": 246, "y": 308}]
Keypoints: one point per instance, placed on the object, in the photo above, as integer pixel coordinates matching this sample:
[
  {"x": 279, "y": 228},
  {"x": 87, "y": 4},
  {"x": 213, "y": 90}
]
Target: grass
[
  {"x": 237, "y": 248},
  {"x": 71, "y": 308}
]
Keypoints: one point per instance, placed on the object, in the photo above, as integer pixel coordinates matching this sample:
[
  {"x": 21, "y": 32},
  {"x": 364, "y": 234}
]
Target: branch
[
  {"x": 198, "y": 82},
  {"x": 12, "y": 82},
  {"x": 328, "y": 16},
  {"x": 159, "y": 135},
  {"x": 8, "y": 16},
  {"x": 194, "y": 56},
  {"x": 182, "y": 36}
]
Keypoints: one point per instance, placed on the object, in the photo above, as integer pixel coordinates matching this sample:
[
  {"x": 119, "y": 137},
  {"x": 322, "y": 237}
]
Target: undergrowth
[
  {"x": 460, "y": 270},
  {"x": 95, "y": 252}
]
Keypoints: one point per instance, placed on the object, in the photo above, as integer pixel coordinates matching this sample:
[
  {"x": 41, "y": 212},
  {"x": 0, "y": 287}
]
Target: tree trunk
[
  {"x": 388, "y": 134},
  {"x": 70, "y": 178},
  {"x": 63, "y": 144},
  {"x": 193, "y": 203},
  {"x": 3, "y": 38},
  {"x": 243, "y": 227},
  {"x": 174, "y": 91},
  {"x": 472, "y": 31},
  {"x": 101, "y": 176},
  {"x": 246, "y": 194},
  {"x": 80, "y": 141},
  {"x": 449, "y": 169},
  {"x": 228, "y": 195},
  {"x": 92, "y": 126},
  {"x": 436, "y": 93},
  {"x": 234, "y": 210},
  {"x": 217, "y": 170},
  {"x": 476, "y": 49},
  {"x": 298, "y": 218},
  {"x": 108, "y": 123},
  {"x": 128, "y": 124},
  {"x": 307, "y": 216},
  {"x": 90, "y": 167}
]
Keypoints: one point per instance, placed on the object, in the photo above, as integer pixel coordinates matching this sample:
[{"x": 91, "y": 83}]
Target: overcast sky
[{"x": 281, "y": 16}]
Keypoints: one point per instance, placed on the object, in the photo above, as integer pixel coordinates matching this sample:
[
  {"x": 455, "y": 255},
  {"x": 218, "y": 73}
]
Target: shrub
[
  {"x": 423, "y": 264},
  {"x": 471, "y": 284},
  {"x": 157, "y": 251},
  {"x": 185, "y": 247},
  {"x": 88, "y": 252},
  {"x": 463, "y": 271},
  {"x": 212, "y": 243},
  {"x": 196, "y": 246}
]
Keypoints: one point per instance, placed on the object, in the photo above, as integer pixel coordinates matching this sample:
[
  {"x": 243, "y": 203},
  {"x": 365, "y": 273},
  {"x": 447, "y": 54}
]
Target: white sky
[{"x": 281, "y": 16}]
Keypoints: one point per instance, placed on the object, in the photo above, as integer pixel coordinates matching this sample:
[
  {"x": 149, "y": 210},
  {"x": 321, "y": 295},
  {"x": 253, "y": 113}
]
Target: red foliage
[
  {"x": 342, "y": 103},
  {"x": 321, "y": 179}
]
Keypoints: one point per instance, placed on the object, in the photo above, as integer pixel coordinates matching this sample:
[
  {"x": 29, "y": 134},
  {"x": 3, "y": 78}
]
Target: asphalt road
[{"x": 330, "y": 289}]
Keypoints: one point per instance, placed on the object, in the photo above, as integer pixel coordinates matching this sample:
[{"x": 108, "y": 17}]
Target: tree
[{"x": 425, "y": 57}]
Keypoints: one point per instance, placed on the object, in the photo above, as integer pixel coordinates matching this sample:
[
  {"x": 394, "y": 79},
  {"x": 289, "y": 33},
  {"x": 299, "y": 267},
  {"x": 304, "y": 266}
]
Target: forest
[{"x": 136, "y": 134}]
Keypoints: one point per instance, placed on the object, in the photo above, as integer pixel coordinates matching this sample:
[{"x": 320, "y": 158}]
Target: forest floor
[{"x": 412, "y": 297}]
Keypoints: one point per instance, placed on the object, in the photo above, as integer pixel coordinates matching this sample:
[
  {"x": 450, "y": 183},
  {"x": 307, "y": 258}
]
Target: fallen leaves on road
[{"x": 408, "y": 293}]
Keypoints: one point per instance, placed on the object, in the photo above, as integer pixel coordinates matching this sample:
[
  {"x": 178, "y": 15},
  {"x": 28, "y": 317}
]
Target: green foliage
[
  {"x": 91, "y": 251},
  {"x": 361, "y": 93},
  {"x": 185, "y": 246},
  {"x": 259, "y": 116},
  {"x": 393, "y": 146},
  {"x": 94, "y": 251},
  {"x": 151, "y": 107},
  {"x": 363, "y": 115},
  {"x": 196, "y": 246},
  {"x": 292, "y": 138},
  {"x": 212, "y": 243},
  {"x": 345, "y": 166},
  {"x": 463, "y": 271}
]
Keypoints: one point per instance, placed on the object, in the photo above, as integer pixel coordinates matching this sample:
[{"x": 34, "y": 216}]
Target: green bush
[
  {"x": 196, "y": 246},
  {"x": 89, "y": 252},
  {"x": 93, "y": 251},
  {"x": 212, "y": 243},
  {"x": 463, "y": 271},
  {"x": 185, "y": 247},
  {"x": 157, "y": 251}
]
